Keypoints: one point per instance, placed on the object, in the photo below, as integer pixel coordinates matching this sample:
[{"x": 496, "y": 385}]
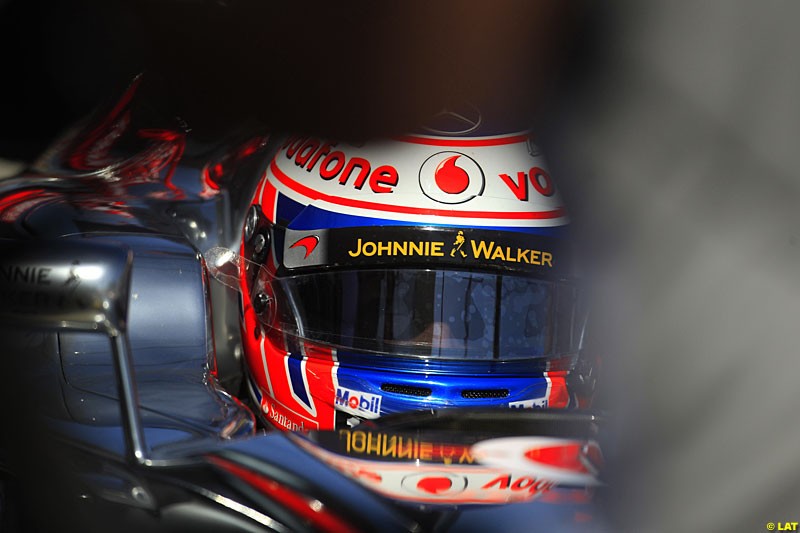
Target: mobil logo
[
  {"x": 451, "y": 178},
  {"x": 535, "y": 403},
  {"x": 359, "y": 403}
]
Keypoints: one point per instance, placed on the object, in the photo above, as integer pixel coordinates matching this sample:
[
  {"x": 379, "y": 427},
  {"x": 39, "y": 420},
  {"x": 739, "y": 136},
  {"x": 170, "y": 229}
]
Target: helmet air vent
[
  {"x": 477, "y": 394},
  {"x": 408, "y": 390}
]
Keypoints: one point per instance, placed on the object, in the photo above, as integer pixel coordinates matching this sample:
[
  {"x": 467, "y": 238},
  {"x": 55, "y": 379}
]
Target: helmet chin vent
[
  {"x": 477, "y": 394},
  {"x": 406, "y": 389}
]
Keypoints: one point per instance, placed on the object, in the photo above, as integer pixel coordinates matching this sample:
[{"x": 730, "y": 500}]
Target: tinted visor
[{"x": 426, "y": 313}]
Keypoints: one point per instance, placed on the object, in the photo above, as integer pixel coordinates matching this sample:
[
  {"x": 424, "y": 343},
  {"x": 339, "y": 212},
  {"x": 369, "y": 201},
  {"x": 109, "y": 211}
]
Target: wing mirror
[{"x": 76, "y": 284}]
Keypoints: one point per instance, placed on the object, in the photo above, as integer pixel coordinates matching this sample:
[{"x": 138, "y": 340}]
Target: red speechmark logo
[
  {"x": 309, "y": 243},
  {"x": 434, "y": 485},
  {"x": 451, "y": 178}
]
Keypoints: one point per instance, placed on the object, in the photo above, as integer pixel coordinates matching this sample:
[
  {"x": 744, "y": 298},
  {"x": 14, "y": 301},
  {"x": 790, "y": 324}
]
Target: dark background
[
  {"x": 672, "y": 128},
  {"x": 347, "y": 70}
]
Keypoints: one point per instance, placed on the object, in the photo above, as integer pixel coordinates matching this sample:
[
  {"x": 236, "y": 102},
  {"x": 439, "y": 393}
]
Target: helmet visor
[{"x": 426, "y": 313}]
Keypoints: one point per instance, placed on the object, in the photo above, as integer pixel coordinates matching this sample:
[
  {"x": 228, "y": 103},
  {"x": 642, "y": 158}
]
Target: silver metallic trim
[{"x": 244, "y": 510}]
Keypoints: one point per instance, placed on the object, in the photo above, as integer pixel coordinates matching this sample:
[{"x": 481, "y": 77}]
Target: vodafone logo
[
  {"x": 451, "y": 178},
  {"x": 434, "y": 484}
]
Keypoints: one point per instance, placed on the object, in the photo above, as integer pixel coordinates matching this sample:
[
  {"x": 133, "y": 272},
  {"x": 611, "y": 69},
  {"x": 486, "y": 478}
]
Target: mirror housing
[{"x": 78, "y": 285}]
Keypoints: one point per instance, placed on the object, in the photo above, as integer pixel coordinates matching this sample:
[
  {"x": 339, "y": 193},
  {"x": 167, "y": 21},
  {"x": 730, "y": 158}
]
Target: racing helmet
[{"x": 415, "y": 272}]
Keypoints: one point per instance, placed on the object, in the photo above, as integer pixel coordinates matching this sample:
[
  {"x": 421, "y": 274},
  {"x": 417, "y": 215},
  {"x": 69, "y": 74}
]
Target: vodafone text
[
  {"x": 538, "y": 177},
  {"x": 307, "y": 152},
  {"x": 531, "y": 484}
]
